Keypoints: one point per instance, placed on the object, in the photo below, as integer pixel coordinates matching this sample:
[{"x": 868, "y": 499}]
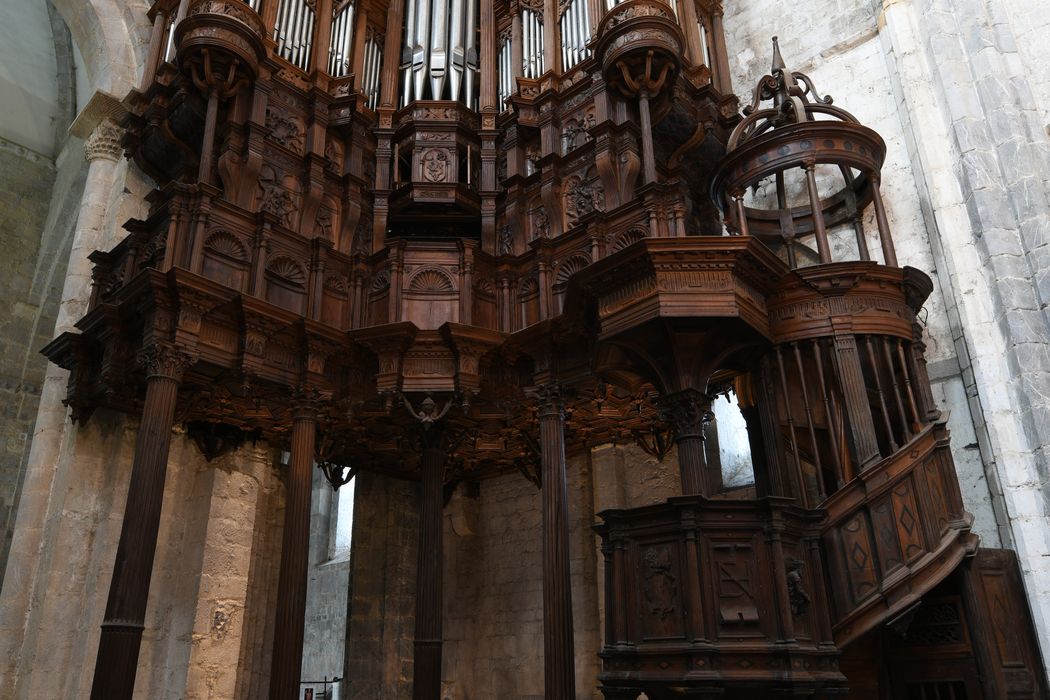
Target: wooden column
[
  {"x": 559, "y": 672},
  {"x": 689, "y": 412},
  {"x": 287, "y": 661},
  {"x": 551, "y": 40},
  {"x": 426, "y": 672},
  {"x": 322, "y": 36},
  {"x": 156, "y": 46},
  {"x": 118, "y": 647},
  {"x": 855, "y": 395}
]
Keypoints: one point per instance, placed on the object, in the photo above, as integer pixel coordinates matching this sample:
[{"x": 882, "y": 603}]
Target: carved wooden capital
[
  {"x": 163, "y": 360},
  {"x": 687, "y": 412},
  {"x": 549, "y": 399},
  {"x": 308, "y": 402}
]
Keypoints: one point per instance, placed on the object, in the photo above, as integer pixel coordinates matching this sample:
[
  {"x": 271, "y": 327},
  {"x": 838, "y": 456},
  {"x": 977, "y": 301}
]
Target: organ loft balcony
[{"x": 497, "y": 203}]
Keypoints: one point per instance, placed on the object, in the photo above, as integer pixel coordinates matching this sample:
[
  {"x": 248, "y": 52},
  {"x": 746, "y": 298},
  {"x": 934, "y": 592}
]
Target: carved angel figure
[{"x": 428, "y": 413}]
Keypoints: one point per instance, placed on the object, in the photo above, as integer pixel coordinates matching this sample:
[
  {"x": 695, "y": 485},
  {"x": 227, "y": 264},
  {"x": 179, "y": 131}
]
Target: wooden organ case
[{"x": 408, "y": 236}]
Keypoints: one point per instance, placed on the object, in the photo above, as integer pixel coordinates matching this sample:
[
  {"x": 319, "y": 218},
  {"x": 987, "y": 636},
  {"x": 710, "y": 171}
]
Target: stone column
[
  {"x": 287, "y": 659},
  {"x": 689, "y": 412},
  {"x": 426, "y": 673},
  {"x": 559, "y": 673},
  {"x": 39, "y": 507},
  {"x": 103, "y": 153},
  {"x": 118, "y": 648}
]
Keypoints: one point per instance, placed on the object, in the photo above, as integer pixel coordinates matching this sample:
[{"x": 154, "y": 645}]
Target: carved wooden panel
[{"x": 659, "y": 587}]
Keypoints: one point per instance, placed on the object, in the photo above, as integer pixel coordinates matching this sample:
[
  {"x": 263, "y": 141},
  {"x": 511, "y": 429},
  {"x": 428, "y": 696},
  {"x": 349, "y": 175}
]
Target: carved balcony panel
[
  {"x": 846, "y": 381},
  {"x": 436, "y": 162},
  {"x": 228, "y": 29},
  {"x": 894, "y": 533},
  {"x": 660, "y": 303},
  {"x": 640, "y": 38},
  {"x": 715, "y": 594}
]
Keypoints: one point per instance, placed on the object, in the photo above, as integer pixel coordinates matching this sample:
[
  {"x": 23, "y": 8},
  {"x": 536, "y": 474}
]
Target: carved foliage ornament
[
  {"x": 688, "y": 412},
  {"x": 104, "y": 142},
  {"x": 163, "y": 360}
]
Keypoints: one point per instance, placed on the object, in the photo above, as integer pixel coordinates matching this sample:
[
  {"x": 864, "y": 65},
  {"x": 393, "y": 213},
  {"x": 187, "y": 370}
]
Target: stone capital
[{"x": 104, "y": 142}]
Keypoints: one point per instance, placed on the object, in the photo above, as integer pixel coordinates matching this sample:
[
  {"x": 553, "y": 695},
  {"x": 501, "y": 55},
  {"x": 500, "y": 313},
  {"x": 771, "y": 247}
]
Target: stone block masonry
[{"x": 38, "y": 203}]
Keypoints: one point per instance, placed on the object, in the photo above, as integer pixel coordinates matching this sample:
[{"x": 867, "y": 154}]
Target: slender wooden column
[
  {"x": 156, "y": 43},
  {"x": 648, "y": 149},
  {"x": 118, "y": 647},
  {"x": 208, "y": 143},
  {"x": 426, "y": 671},
  {"x": 689, "y": 412},
  {"x": 287, "y": 661},
  {"x": 551, "y": 40},
  {"x": 559, "y": 672},
  {"x": 858, "y": 410}
]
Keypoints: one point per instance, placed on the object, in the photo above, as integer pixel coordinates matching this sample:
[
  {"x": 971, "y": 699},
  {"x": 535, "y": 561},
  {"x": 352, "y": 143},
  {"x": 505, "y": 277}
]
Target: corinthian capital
[
  {"x": 548, "y": 397},
  {"x": 164, "y": 360},
  {"x": 687, "y": 412},
  {"x": 104, "y": 142}
]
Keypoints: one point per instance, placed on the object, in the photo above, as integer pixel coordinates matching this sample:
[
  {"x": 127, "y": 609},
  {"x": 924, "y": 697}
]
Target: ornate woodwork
[{"x": 382, "y": 220}]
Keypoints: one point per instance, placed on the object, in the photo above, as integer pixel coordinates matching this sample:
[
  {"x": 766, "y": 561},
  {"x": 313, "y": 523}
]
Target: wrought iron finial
[{"x": 778, "y": 60}]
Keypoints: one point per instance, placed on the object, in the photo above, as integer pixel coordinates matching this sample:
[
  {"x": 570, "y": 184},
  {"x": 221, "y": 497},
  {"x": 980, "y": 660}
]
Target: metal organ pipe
[
  {"x": 408, "y": 51},
  {"x": 294, "y": 32},
  {"x": 440, "y": 51},
  {"x": 506, "y": 76},
  {"x": 532, "y": 40},
  {"x": 342, "y": 36},
  {"x": 439, "y": 45},
  {"x": 457, "y": 50},
  {"x": 471, "y": 51},
  {"x": 372, "y": 64}
]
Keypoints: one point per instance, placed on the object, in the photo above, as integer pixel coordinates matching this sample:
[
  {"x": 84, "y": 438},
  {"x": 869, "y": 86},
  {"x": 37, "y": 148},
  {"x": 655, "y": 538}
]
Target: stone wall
[
  {"x": 41, "y": 178},
  {"x": 493, "y": 581},
  {"x": 383, "y": 602},
  {"x": 327, "y": 589}
]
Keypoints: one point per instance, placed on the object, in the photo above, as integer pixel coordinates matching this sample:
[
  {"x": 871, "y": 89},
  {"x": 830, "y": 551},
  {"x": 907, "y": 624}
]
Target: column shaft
[
  {"x": 559, "y": 674},
  {"x": 426, "y": 672},
  {"x": 118, "y": 648},
  {"x": 287, "y": 661}
]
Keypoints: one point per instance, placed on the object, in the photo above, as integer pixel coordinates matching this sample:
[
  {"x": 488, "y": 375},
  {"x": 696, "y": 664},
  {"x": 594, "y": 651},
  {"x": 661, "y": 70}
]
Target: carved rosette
[
  {"x": 166, "y": 361},
  {"x": 688, "y": 412}
]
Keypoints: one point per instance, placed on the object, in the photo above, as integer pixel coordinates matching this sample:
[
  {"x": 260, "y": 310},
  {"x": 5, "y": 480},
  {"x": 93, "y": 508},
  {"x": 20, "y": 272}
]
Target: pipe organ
[
  {"x": 439, "y": 55},
  {"x": 294, "y": 32},
  {"x": 341, "y": 44},
  {"x": 575, "y": 28},
  {"x": 548, "y": 214}
]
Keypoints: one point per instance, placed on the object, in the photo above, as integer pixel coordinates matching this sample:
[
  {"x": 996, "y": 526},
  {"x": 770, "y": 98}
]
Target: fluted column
[
  {"x": 287, "y": 661},
  {"x": 559, "y": 673},
  {"x": 426, "y": 671},
  {"x": 689, "y": 412},
  {"x": 118, "y": 648}
]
